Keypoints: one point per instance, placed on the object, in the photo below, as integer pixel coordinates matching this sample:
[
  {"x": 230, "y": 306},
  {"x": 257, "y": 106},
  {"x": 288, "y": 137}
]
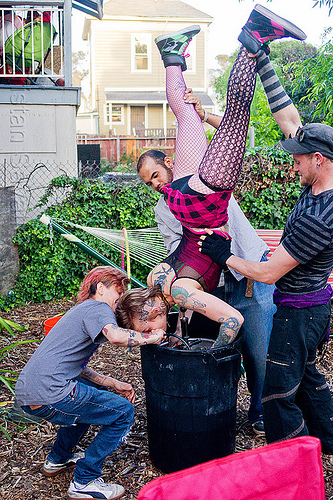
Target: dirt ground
[{"x": 22, "y": 457}]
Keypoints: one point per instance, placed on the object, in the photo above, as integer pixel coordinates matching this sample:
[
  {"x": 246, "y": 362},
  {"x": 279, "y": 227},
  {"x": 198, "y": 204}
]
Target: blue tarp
[{"x": 89, "y": 7}]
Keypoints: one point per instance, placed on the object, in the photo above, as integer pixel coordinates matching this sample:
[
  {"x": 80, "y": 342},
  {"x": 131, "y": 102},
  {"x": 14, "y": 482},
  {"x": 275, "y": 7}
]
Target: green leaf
[
  {"x": 5, "y": 433},
  {"x": 15, "y": 326},
  {"x": 9, "y": 385},
  {"x": 5, "y": 326}
]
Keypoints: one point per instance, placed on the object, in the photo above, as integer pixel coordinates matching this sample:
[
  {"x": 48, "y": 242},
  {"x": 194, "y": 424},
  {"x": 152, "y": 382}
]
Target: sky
[{"x": 231, "y": 15}]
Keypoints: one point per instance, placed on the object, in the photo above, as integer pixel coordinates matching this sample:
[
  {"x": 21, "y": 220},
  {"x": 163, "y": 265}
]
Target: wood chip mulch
[{"x": 22, "y": 457}]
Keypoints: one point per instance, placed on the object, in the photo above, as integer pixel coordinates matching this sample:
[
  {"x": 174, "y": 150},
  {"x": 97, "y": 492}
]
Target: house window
[
  {"x": 114, "y": 113},
  {"x": 141, "y": 52}
]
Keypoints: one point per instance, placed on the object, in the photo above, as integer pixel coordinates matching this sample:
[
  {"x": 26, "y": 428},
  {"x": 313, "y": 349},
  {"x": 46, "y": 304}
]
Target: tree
[
  {"x": 285, "y": 55},
  {"x": 318, "y": 70},
  {"x": 328, "y": 3},
  {"x": 80, "y": 63},
  {"x": 80, "y": 71}
]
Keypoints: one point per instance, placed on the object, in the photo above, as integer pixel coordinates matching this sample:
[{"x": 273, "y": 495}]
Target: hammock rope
[
  {"x": 145, "y": 245},
  {"x": 48, "y": 221}
]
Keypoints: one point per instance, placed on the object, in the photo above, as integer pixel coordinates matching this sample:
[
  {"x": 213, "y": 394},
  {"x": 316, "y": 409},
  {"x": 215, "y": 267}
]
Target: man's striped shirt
[{"x": 308, "y": 238}]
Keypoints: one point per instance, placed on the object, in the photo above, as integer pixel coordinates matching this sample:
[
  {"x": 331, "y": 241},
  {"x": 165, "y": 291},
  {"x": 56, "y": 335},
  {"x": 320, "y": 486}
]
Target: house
[{"x": 127, "y": 77}]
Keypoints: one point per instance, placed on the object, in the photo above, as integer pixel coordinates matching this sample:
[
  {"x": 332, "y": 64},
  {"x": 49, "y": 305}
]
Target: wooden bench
[{"x": 272, "y": 238}]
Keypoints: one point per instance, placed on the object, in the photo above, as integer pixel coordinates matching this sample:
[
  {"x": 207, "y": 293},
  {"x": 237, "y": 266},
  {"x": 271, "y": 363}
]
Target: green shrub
[
  {"x": 125, "y": 164},
  {"x": 268, "y": 187}
]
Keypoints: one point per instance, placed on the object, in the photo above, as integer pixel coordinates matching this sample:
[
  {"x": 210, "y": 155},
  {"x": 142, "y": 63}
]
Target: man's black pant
[{"x": 296, "y": 399}]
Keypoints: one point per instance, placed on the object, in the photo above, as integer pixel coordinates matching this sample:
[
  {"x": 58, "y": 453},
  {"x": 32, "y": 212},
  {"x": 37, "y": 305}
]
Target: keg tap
[{"x": 184, "y": 323}]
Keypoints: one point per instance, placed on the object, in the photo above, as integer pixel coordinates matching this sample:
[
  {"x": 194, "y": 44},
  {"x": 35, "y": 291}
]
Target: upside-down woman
[{"x": 204, "y": 178}]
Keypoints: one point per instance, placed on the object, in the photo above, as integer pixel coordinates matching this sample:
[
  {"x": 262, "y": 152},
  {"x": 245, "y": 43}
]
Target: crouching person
[{"x": 57, "y": 386}]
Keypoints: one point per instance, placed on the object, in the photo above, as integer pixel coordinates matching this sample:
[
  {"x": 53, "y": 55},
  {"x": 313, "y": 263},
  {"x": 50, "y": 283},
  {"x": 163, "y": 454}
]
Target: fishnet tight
[
  {"x": 221, "y": 165},
  {"x": 191, "y": 143},
  {"x": 221, "y": 162}
]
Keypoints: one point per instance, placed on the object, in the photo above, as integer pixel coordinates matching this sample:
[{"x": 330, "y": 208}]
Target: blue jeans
[
  {"x": 296, "y": 398},
  {"x": 87, "y": 405},
  {"x": 258, "y": 312}
]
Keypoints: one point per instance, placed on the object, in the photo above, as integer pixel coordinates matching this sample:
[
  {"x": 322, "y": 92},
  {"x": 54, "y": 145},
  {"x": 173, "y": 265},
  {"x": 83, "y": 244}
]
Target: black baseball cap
[{"x": 312, "y": 138}]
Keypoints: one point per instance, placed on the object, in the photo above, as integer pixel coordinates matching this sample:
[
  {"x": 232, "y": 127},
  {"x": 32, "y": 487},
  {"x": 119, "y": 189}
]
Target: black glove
[{"x": 217, "y": 248}]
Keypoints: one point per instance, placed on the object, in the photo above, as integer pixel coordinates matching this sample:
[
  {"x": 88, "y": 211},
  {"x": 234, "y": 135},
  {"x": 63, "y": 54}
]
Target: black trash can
[{"x": 191, "y": 403}]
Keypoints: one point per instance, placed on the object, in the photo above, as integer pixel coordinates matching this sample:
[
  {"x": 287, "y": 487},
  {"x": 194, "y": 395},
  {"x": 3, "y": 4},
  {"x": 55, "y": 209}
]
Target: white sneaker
[
  {"x": 51, "y": 469},
  {"x": 95, "y": 489}
]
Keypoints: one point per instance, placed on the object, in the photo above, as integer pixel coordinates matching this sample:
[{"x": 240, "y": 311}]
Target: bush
[
  {"x": 268, "y": 188},
  {"x": 125, "y": 164}
]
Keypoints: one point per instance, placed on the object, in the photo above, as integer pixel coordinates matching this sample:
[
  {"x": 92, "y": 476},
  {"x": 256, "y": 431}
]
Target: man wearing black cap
[{"x": 296, "y": 399}]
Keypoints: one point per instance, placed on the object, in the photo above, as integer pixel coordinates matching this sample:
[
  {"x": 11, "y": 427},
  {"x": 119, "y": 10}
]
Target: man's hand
[
  {"x": 191, "y": 98},
  {"x": 124, "y": 389},
  {"x": 216, "y": 247}
]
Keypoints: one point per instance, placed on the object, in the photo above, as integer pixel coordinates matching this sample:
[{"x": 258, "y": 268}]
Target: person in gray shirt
[
  {"x": 296, "y": 398},
  {"x": 57, "y": 385}
]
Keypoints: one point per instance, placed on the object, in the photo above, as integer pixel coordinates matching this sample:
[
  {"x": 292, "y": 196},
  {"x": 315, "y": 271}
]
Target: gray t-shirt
[
  {"x": 49, "y": 375},
  {"x": 308, "y": 238}
]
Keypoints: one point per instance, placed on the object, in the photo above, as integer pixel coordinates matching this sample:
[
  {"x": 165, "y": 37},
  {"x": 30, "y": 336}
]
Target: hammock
[{"x": 145, "y": 245}]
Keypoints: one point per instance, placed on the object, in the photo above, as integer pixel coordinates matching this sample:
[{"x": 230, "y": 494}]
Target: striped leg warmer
[{"x": 276, "y": 95}]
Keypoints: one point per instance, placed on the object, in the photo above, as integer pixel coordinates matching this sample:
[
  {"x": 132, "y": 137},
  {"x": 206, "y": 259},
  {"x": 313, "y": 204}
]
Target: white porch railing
[{"x": 33, "y": 42}]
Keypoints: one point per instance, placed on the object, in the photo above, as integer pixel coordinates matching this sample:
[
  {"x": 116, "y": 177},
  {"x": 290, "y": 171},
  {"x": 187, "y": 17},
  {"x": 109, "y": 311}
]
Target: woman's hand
[{"x": 156, "y": 336}]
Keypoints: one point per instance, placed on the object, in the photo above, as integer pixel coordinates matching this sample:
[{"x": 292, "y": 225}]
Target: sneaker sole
[
  {"x": 194, "y": 27},
  {"x": 56, "y": 472},
  {"x": 258, "y": 433},
  {"x": 280, "y": 20},
  {"x": 71, "y": 497}
]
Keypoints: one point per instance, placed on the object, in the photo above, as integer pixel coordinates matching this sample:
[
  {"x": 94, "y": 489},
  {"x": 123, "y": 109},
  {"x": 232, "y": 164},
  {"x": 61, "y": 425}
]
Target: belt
[{"x": 249, "y": 287}]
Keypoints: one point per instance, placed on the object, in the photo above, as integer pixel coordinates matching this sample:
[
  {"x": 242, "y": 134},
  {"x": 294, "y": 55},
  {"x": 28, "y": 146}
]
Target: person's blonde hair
[
  {"x": 132, "y": 302},
  {"x": 102, "y": 274}
]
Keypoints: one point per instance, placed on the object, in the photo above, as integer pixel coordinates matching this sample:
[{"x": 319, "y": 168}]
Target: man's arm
[
  {"x": 120, "y": 387},
  {"x": 218, "y": 249},
  {"x": 280, "y": 263},
  {"x": 170, "y": 228},
  {"x": 130, "y": 338},
  {"x": 288, "y": 120},
  {"x": 190, "y": 98}
]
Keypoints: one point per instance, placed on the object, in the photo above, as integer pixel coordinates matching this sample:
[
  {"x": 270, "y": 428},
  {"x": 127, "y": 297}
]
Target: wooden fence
[{"x": 112, "y": 148}]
